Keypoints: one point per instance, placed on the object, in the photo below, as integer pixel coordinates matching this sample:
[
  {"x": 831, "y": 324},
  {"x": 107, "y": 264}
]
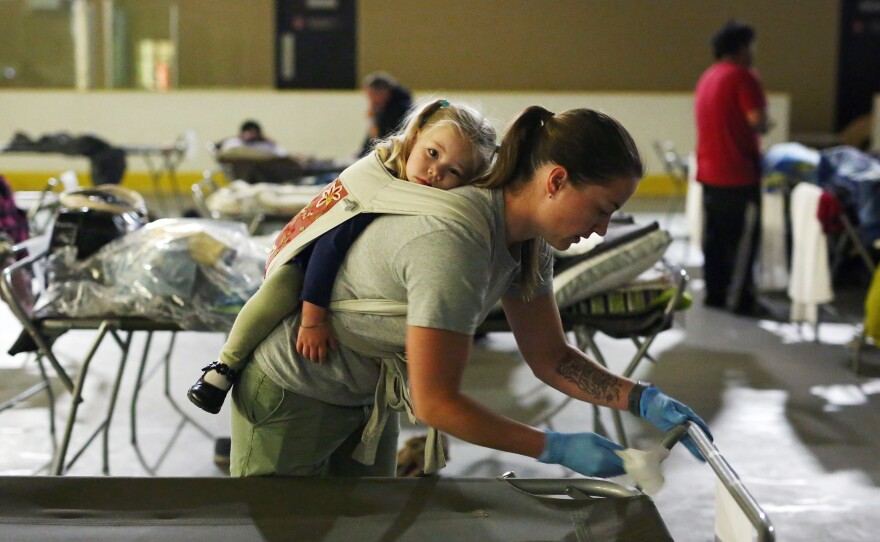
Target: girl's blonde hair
[
  {"x": 465, "y": 119},
  {"x": 593, "y": 147}
]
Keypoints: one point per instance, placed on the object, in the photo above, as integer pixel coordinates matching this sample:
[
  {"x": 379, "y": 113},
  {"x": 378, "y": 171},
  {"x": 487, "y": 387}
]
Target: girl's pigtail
[{"x": 429, "y": 110}]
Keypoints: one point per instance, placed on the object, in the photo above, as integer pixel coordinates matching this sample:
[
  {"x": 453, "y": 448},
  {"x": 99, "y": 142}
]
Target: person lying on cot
[
  {"x": 251, "y": 138},
  {"x": 408, "y": 298},
  {"x": 441, "y": 145}
]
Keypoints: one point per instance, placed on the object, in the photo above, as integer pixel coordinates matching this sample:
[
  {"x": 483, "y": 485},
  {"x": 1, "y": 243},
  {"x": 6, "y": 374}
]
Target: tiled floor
[{"x": 798, "y": 426}]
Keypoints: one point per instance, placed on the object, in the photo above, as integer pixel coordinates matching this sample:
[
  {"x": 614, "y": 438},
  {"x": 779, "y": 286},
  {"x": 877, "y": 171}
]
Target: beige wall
[
  {"x": 322, "y": 124},
  {"x": 476, "y": 45},
  {"x": 223, "y": 43},
  {"x": 37, "y": 44},
  {"x": 241, "y": 42},
  {"x": 633, "y": 45}
]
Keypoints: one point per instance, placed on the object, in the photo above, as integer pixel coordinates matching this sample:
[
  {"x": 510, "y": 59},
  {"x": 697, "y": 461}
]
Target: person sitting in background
[
  {"x": 250, "y": 137},
  {"x": 389, "y": 103},
  {"x": 254, "y": 158}
]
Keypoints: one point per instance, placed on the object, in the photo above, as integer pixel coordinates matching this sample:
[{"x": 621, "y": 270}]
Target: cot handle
[
  {"x": 725, "y": 473},
  {"x": 576, "y": 488}
]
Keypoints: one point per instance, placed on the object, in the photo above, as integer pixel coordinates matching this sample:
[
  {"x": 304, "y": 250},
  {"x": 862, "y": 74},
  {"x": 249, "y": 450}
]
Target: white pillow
[{"x": 609, "y": 269}]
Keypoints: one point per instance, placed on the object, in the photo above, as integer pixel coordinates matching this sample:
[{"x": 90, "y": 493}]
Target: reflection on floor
[{"x": 796, "y": 424}]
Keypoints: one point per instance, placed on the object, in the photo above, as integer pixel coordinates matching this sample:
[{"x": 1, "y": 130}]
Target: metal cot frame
[{"x": 338, "y": 509}]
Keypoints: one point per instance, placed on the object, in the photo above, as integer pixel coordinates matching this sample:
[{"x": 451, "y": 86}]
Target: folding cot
[
  {"x": 260, "y": 166},
  {"x": 330, "y": 509},
  {"x": 258, "y": 205},
  {"x": 274, "y": 169}
]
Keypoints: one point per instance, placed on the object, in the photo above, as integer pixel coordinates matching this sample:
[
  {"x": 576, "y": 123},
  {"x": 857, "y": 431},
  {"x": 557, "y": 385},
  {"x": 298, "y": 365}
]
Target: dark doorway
[
  {"x": 315, "y": 44},
  {"x": 859, "y": 62}
]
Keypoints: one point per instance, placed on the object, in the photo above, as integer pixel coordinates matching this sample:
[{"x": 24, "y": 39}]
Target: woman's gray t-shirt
[{"x": 444, "y": 271}]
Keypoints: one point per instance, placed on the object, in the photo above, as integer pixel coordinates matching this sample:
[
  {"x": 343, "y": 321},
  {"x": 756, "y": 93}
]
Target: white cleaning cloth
[{"x": 644, "y": 467}]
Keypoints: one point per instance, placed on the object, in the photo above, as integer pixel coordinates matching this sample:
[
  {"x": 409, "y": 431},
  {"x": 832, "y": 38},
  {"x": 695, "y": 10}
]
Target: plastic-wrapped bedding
[
  {"x": 588, "y": 269},
  {"x": 196, "y": 273}
]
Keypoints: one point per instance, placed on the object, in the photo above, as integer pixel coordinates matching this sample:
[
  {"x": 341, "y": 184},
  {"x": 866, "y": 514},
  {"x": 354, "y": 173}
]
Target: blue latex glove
[
  {"x": 586, "y": 453},
  {"x": 665, "y": 413}
]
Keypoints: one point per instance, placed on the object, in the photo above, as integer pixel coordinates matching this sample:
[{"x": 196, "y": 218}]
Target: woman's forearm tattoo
[{"x": 588, "y": 378}]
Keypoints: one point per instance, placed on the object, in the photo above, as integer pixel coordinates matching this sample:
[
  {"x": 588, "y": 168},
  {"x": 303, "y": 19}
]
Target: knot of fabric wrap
[{"x": 392, "y": 392}]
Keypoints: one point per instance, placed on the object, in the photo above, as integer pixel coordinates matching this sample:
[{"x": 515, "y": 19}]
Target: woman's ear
[{"x": 557, "y": 176}]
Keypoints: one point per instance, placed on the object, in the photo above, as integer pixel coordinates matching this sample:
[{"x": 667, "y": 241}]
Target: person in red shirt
[{"x": 731, "y": 115}]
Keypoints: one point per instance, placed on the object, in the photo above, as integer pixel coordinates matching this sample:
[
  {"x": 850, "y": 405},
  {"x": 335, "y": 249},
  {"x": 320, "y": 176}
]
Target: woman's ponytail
[{"x": 514, "y": 163}]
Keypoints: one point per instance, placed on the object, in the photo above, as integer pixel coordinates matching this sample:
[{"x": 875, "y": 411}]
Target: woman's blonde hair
[
  {"x": 593, "y": 147},
  {"x": 394, "y": 150}
]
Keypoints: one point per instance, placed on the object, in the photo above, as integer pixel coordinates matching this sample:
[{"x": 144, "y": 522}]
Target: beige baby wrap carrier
[{"x": 367, "y": 187}]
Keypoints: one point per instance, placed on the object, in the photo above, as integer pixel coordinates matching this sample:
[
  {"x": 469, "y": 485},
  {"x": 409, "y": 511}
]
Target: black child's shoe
[{"x": 210, "y": 397}]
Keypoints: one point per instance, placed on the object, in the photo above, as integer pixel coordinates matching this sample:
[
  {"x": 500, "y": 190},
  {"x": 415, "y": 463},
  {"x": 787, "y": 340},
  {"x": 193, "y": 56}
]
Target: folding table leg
[
  {"x": 137, "y": 389},
  {"x": 58, "y": 468},
  {"x": 46, "y": 351},
  {"x": 587, "y": 344},
  {"x": 642, "y": 351},
  {"x": 104, "y": 426},
  {"x": 171, "y": 171},
  {"x": 857, "y": 344},
  {"x": 125, "y": 346},
  {"x": 185, "y": 418},
  {"x": 171, "y": 400},
  {"x": 50, "y": 393},
  {"x": 138, "y": 384},
  {"x": 155, "y": 172}
]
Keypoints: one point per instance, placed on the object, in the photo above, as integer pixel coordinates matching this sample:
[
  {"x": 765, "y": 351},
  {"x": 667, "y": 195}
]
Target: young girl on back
[{"x": 440, "y": 145}]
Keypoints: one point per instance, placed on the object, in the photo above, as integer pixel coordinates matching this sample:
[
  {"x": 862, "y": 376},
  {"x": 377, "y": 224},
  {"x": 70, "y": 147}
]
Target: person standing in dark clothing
[
  {"x": 389, "y": 103},
  {"x": 730, "y": 111}
]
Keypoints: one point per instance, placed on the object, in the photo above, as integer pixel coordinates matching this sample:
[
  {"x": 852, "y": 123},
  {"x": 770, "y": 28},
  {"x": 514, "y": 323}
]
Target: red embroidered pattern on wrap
[{"x": 332, "y": 194}]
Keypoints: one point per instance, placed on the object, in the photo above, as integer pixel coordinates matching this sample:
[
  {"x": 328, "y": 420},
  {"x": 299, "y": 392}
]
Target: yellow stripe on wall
[
  {"x": 660, "y": 185},
  {"x": 139, "y": 181},
  {"x": 651, "y": 186}
]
